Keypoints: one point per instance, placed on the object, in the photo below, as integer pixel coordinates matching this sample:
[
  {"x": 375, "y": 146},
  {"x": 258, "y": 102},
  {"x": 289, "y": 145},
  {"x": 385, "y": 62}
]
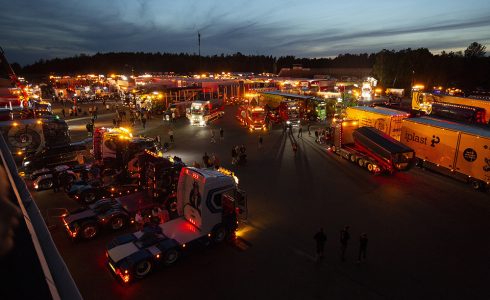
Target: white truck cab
[{"x": 207, "y": 201}]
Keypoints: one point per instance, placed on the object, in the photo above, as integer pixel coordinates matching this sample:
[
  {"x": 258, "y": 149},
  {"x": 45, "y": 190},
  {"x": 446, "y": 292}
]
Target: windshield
[
  {"x": 196, "y": 109},
  {"x": 258, "y": 115}
]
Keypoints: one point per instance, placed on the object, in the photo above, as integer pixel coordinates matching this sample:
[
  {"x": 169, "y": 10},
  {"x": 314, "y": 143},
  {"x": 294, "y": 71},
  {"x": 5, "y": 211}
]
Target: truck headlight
[{"x": 288, "y": 122}]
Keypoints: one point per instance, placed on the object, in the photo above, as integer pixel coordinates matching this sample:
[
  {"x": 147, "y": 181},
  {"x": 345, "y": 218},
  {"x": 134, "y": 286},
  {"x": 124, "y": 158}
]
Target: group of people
[
  {"x": 157, "y": 216},
  {"x": 321, "y": 238},
  {"x": 238, "y": 155},
  {"x": 210, "y": 161},
  {"x": 321, "y": 136}
]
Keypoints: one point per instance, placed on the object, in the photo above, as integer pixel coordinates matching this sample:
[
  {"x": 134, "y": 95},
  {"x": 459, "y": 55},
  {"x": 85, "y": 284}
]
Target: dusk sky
[{"x": 35, "y": 29}]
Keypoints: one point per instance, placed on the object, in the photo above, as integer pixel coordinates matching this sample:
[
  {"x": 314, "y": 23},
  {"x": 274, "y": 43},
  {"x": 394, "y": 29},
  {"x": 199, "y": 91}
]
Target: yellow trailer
[
  {"x": 384, "y": 119},
  {"x": 456, "y": 149}
]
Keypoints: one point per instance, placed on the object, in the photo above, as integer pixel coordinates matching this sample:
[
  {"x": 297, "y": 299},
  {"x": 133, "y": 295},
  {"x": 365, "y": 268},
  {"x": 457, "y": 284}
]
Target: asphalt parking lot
[{"x": 427, "y": 233}]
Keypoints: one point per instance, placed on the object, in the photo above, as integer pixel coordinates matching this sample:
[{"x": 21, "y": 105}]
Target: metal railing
[{"x": 58, "y": 278}]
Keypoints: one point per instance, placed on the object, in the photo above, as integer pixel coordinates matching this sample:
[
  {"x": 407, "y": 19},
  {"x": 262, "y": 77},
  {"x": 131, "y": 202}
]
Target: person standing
[
  {"x": 309, "y": 132},
  {"x": 213, "y": 140},
  {"x": 344, "y": 241},
  {"x": 63, "y": 113},
  {"x": 221, "y": 134},
  {"x": 171, "y": 135},
  {"x": 164, "y": 215},
  {"x": 295, "y": 148},
  {"x": 205, "y": 159},
  {"x": 138, "y": 219},
  {"x": 173, "y": 116},
  {"x": 320, "y": 239},
  {"x": 143, "y": 121},
  {"x": 300, "y": 131},
  {"x": 260, "y": 141},
  {"x": 363, "y": 242},
  {"x": 233, "y": 155}
]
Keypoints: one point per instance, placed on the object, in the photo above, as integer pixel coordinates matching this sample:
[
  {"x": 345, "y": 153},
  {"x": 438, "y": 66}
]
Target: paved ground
[{"x": 428, "y": 234}]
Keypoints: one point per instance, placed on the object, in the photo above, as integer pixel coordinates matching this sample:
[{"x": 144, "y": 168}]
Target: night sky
[{"x": 34, "y": 29}]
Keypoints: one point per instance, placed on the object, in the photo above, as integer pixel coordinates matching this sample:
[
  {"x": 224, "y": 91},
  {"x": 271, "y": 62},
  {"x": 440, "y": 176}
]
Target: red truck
[
  {"x": 291, "y": 112},
  {"x": 253, "y": 117}
]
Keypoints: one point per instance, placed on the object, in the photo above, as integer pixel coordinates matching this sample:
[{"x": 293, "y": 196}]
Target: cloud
[{"x": 60, "y": 29}]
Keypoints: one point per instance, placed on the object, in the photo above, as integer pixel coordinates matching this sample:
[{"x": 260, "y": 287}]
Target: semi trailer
[
  {"x": 370, "y": 148},
  {"x": 461, "y": 151}
]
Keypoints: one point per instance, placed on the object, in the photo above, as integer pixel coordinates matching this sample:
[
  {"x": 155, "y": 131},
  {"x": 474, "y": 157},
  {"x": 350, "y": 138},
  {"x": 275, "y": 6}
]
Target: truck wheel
[
  {"x": 143, "y": 268},
  {"x": 334, "y": 149},
  {"x": 370, "y": 167},
  {"x": 171, "y": 256},
  {"x": 88, "y": 197},
  {"x": 352, "y": 158},
  {"x": 477, "y": 185},
  {"x": 118, "y": 222},
  {"x": 219, "y": 234},
  {"x": 45, "y": 184},
  {"x": 89, "y": 230}
]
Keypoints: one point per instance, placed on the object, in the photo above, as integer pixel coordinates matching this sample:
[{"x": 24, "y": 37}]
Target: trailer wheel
[
  {"x": 171, "y": 256},
  {"x": 370, "y": 167},
  {"x": 143, "y": 268},
  {"x": 477, "y": 185},
  {"x": 219, "y": 234},
  {"x": 360, "y": 162},
  {"x": 352, "y": 158}
]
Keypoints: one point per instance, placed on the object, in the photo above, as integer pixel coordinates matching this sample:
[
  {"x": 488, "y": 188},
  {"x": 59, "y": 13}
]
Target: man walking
[
  {"x": 363, "y": 241},
  {"x": 221, "y": 134},
  {"x": 260, "y": 141},
  {"x": 213, "y": 140},
  {"x": 309, "y": 132},
  {"x": 300, "y": 131},
  {"x": 344, "y": 240},
  {"x": 63, "y": 113},
  {"x": 143, "y": 121},
  {"x": 320, "y": 239}
]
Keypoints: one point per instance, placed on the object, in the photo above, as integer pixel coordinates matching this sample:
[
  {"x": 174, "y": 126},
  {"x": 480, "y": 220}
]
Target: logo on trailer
[
  {"x": 469, "y": 155},
  {"x": 435, "y": 140}
]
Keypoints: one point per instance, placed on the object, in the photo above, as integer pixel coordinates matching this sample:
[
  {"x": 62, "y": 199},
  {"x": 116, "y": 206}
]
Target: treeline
[
  {"x": 183, "y": 63},
  {"x": 468, "y": 70}
]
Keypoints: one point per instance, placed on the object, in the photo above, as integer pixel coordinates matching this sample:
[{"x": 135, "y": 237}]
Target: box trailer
[
  {"x": 459, "y": 150},
  {"x": 384, "y": 119}
]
